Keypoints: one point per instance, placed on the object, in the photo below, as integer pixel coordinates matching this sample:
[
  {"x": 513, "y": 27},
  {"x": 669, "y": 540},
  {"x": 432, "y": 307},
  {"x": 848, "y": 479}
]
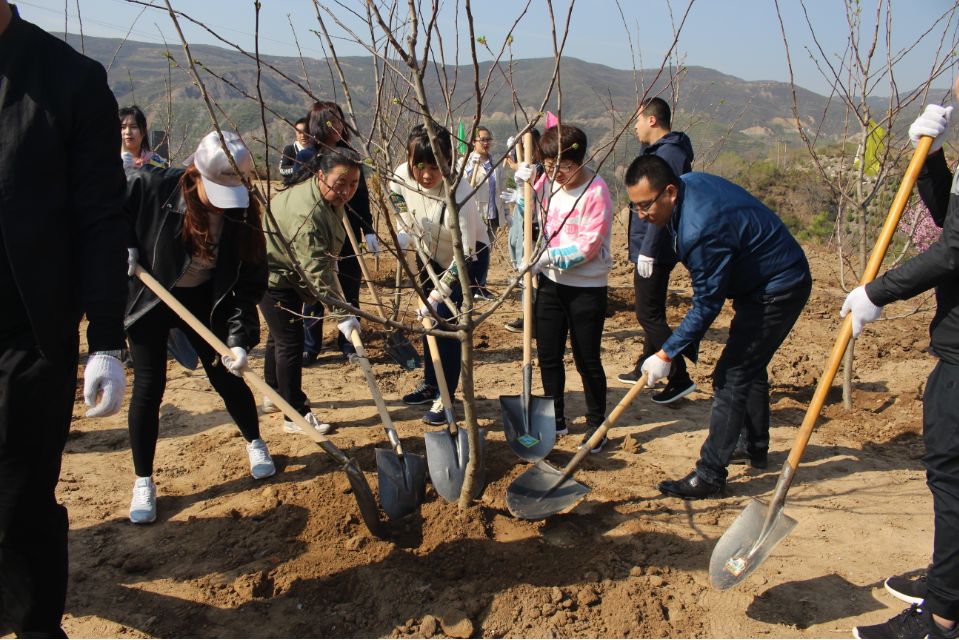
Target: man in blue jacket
[
  {"x": 651, "y": 250},
  {"x": 735, "y": 248}
]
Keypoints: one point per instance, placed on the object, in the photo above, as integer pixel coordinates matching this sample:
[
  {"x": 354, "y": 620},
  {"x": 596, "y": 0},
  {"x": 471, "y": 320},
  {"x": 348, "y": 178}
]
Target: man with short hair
[
  {"x": 735, "y": 248},
  {"x": 288, "y": 163},
  {"x": 62, "y": 255},
  {"x": 651, "y": 250}
]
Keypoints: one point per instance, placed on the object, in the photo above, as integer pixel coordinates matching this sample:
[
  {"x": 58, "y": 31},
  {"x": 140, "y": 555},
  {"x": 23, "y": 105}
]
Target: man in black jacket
[
  {"x": 62, "y": 247},
  {"x": 651, "y": 250},
  {"x": 288, "y": 163},
  {"x": 938, "y": 267}
]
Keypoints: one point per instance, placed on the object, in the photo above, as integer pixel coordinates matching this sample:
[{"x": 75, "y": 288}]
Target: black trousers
[
  {"x": 350, "y": 277},
  {"x": 283, "y": 361},
  {"x": 450, "y": 349},
  {"x": 940, "y": 432},
  {"x": 650, "y": 305},
  {"x": 148, "y": 348},
  {"x": 36, "y": 404},
  {"x": 580, "y": 313},
  {"x": 740, "y": 380}
]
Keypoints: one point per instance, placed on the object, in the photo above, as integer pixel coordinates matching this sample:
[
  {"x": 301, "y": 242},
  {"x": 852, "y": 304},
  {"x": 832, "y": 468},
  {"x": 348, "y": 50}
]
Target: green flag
[
  {"x": 461, "y": 137},
  {"x": 875, "y": 148}
]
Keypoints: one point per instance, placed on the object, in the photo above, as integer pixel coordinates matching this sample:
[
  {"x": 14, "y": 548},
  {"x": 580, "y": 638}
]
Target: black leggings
[
  {"x": 148, "y": 339},
  {"x": 580, "y": 313}
]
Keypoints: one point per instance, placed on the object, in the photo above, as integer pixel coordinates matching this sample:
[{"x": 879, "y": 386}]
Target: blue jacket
[
  {"x": 646, "y": 238},
  {"x": 734, "y": 247}
]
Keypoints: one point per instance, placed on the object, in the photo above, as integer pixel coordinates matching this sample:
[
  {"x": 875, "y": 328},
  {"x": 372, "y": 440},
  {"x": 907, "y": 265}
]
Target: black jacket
[
  {"x": 644, "y": 237},
  {"x": 61, "y": 189},
  {"x": 936, "y": 267},
  {"x": 156, "y": 209}
]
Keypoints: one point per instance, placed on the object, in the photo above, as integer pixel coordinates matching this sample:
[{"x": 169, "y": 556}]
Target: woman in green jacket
[{"x": 309, "y": 217}]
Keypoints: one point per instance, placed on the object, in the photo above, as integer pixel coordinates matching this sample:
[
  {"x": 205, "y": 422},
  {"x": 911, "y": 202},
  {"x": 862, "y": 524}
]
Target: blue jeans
[
  {"x": 740, "y": 381},
  {"x": 515, "y": 237}
]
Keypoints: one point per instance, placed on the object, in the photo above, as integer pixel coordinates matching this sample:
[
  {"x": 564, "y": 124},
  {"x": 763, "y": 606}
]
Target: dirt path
[{"x": 231, "y": 557}]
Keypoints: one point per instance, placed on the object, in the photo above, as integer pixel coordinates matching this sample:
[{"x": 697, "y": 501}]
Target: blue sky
[{"x": 738, "y": 37}]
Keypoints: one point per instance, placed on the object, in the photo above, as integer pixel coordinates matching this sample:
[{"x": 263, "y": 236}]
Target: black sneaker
[
  {"x": 756, "y": 461},
  {"x": 561, "y": 428},
  {"x": 908, "y": 587},
  {"x": 914, "y": 622},
  {"x": 423, "y": 394},
  {"x": 516, "y": 326},
  {"x": 692, "y": 487},
  {"x": 589, "y": 434},
  {"x": 674, "y": 391},
  {"x": 630, "y": 377},
  {"x": 309, "y": 358}
]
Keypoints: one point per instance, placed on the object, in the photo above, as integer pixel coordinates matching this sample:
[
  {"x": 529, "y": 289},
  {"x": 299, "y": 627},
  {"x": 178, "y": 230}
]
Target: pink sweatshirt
[{"x": 579, "y": 225}]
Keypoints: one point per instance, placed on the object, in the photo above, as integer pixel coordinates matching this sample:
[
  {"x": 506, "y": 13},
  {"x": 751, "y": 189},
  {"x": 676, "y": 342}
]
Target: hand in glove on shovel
[
  {"x": 656, "y": 367},
  {"x": 933, "y": 123},
  {"x": 862, "y": 309},
  {"x": 237, "y": 363}
]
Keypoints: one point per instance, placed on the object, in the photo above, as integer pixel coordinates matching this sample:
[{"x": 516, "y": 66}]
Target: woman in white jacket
[{"x": 426, "y": 223}]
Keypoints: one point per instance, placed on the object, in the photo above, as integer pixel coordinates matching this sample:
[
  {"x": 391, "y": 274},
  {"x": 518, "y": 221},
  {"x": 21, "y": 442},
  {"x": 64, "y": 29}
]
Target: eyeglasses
[
  {"x": 565, "y": 166},
  {"x": 484, "y": 139},
  {"x": 644, "y": 207}
]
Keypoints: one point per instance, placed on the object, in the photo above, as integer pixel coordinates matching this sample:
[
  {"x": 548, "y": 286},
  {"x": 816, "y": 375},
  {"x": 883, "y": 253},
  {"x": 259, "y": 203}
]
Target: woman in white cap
[{"x": 199, "y": 233}]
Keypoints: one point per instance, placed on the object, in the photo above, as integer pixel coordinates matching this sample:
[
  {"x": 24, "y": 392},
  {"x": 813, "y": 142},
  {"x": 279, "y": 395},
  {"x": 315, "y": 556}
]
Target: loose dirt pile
[{"x": 230, "y": 556}]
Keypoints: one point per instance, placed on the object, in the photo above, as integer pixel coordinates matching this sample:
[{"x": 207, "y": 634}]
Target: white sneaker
[
  {"x": 261, "y": 464},
  {"x": 322, "y": 428},
  {"x": 143, "y": 506},
  {"x": 268, "y": 406}
]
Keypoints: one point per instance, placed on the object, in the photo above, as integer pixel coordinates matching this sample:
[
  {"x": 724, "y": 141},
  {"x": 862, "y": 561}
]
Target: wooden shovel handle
[
  {"x": 845, "y": 329},
  {"x": 438, "y": 366},
  {"x": 529, "y": 210},
  {"x": 362, "y": 262},
  {"x": 375, "y": 392},
  {"x": 251, "y": 378}
]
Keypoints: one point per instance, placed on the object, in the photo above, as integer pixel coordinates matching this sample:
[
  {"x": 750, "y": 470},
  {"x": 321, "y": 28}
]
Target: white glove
[
  {"x": 862, "y": 308},
  {"x": 538, "y": 265},
  {"x": 127, "y": 159},
  {"x": 403, "y": 240},
  {"x": 133, "y": 258},
  {"x": 103, "y": 374},
  {"x": 347, "y": 327},
  {"x": 933, "y": 122},
  {"x": 523, "y": 172},
  {"x": 509, "y": 142},
  {"x": 644, "y": 266},
  {"x": 655, "y": 369},
  {"x": 509, "y": 196},
  {"x": 434, "y": 300},
  {"x": 237, "y": 363},
  {"x": 372, "y": 243}
]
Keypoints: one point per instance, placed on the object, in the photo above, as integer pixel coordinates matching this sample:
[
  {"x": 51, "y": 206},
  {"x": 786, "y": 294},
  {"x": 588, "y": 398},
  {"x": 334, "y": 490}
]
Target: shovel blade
[
  {"x": 532, "y": 495},
  {"x": 182, "y": 350},
  {"x": 747, "y": 543},
  {"x": 399, "y": 348},
  {"x": 446, "y": 457},
  {"x": 402, "y": 482},
  {"x": 364, "y": 498},
  {"x": 531, "y": 430}
]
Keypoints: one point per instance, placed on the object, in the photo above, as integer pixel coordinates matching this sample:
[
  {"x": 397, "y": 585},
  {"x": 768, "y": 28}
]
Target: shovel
[
  {"x": 398, "y": 346},
  {"x": 402, "y": 476},
  {"x": 529, "y": 421},
  {"x": 447, "y": 451},
  {"x": 759, "y": 528},
  {"x": 361, "y": 489},
  {"x": 544, "y": 490}
]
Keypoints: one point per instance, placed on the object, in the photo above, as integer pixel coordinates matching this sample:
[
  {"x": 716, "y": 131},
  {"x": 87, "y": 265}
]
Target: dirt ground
[{"x": 289, "y": 557}]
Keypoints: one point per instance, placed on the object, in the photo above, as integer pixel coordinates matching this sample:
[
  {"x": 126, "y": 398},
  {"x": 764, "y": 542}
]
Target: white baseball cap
[{"x": 224, "y": 187}]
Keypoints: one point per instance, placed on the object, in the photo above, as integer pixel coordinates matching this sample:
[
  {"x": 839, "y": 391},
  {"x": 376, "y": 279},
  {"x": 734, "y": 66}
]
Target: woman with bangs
[
  {"x": 419, "y": 191},
  {"x": 198, "y": 232}
]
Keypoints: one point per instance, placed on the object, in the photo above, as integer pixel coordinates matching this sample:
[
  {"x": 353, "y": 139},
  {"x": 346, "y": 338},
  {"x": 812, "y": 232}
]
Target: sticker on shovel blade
[{"x": 527, "y": 441}]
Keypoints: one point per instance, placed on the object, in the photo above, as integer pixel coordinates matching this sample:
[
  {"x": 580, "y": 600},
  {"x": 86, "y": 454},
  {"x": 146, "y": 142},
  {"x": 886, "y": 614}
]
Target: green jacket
[{"x": 315, "y": 231}]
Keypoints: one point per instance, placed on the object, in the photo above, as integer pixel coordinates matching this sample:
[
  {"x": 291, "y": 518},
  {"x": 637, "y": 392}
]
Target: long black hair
[{"x": 141, "y": 121}]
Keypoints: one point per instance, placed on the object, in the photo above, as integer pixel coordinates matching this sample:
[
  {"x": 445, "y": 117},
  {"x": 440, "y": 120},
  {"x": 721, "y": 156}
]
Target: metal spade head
[
  {"x": 747, "y": 543},
  {"x": 364, "y": 498},
  {"x": 530, "y": 427},
  {"x": 402, "y": 482},
  {"x": 446, "y": 457},
  {"x": 542, "y": 491},
  {"x": 399, "y": 348}
]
